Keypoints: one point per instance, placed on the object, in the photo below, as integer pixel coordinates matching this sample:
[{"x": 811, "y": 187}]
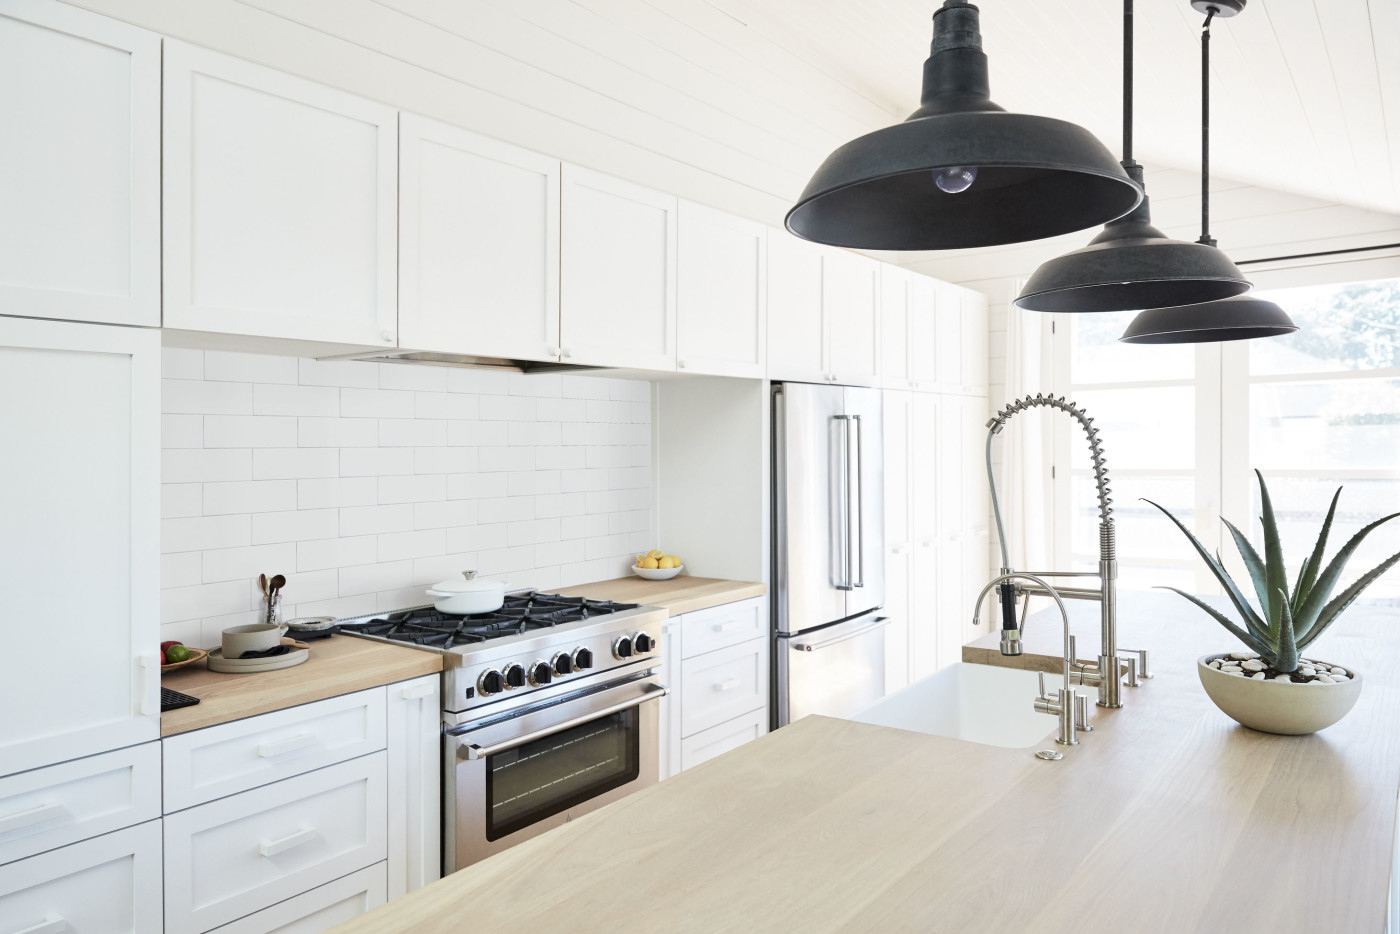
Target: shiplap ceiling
[{"x": 1305, "y": 99}]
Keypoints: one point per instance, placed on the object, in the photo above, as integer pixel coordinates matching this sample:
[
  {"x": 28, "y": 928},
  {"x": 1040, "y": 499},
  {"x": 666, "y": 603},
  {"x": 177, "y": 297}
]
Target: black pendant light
[
  {"x": 1131, "y": 265},
  {"x": 1240, "y": 317},
  {"x": 960, "y": 171}
]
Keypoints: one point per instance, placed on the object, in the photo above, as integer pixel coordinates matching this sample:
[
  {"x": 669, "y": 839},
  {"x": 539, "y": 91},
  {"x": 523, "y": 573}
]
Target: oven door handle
[{"x": 473, "y": 751}]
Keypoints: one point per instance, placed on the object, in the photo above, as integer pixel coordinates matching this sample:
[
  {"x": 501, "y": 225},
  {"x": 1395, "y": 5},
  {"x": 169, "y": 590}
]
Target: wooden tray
[{"x": 195, "y": 656}]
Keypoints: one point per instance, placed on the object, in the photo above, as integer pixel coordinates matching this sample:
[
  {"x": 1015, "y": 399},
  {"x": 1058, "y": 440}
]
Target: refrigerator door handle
[
  {"x": 855, "y": 527},
  {"x": 878, "y": 622},
  {"x": 839, "y": 535}
]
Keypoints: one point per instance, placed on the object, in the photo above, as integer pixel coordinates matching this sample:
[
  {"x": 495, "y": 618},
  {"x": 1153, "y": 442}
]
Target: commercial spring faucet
[{"x": 1106, "y": 674}]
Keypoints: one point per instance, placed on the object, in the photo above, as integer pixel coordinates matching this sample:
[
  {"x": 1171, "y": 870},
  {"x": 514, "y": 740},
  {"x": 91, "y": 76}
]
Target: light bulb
[{"x": 955, "y": 178}]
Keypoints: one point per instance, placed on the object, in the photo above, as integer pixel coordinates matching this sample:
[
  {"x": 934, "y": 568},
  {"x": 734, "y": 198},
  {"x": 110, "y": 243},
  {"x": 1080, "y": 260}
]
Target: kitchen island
[{"x": 1167, "y": 817}]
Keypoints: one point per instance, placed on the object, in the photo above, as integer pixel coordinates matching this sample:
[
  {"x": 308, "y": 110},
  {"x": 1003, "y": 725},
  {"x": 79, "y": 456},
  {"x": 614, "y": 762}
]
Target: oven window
[{"x": 550, "y": 775}]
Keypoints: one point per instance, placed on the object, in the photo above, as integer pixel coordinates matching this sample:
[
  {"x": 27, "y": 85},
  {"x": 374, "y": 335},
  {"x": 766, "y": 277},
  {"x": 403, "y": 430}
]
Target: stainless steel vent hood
[{"x": 435, "y": 358}]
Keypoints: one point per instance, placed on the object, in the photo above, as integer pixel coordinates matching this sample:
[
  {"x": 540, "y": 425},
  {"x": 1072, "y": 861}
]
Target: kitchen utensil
[
  {"x": 262, "y": 582},
  {"x": 251, "y": 638},
  {"x": 217, "y": 662},
  {"x": 274, "y": 596},
  {"x": 658, "y": 574},
  {"x": 195, "y": 655},
  {"x": 470, "y": 595},
  {"x": 294, "y": 643}
]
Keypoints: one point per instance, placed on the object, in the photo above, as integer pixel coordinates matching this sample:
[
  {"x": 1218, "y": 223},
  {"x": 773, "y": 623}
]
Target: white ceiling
[{"x": 1305, "y": 93}]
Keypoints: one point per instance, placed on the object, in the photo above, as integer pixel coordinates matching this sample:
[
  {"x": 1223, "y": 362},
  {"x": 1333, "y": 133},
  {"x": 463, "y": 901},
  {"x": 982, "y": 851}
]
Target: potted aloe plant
[{"x": 1270, "y": 686}]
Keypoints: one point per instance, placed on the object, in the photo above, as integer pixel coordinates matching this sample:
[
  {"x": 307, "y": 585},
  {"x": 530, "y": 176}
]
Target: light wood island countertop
[
  {"x": 678, "y": 595},
  {"x": 1168, "y": 817},
  {"x": 338, "y": 665}
]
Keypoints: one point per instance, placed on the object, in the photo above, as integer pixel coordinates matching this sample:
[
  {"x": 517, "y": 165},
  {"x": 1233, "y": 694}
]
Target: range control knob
[
  {"x": 490, "y": 682},
  {"x": 622, "y": 647},
  {"x": 563, "y": 664},
  {"x": 514, "y": 675},
  {"x": 540, "y": 673},
  {"x": 583, "y": 659},
  {"x": 643, "y": 643}
]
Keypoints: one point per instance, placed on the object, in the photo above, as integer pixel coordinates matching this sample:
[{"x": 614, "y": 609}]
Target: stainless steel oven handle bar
[
  {"x": 473, "y": 751},
  {"x": 878, "y": 622}
]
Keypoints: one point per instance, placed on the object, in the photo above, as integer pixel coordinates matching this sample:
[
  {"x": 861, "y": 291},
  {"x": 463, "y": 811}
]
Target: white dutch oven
[{"x": 469, "y": 595}]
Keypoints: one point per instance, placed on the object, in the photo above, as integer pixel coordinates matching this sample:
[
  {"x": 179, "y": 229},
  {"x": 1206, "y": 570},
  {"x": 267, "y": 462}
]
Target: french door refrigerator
[{"x": 828, "y": 550}]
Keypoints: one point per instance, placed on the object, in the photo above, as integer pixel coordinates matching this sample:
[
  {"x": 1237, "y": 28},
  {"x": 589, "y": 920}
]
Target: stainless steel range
[{"x": 547, "y": 708}]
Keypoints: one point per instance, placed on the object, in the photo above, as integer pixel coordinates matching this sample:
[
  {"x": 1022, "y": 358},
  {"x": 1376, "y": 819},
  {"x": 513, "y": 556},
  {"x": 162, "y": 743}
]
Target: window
[{"x": 1183, "y": 425}]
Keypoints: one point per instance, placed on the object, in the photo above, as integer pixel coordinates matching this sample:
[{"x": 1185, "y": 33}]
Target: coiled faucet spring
[{"x": 998, "y": 422}]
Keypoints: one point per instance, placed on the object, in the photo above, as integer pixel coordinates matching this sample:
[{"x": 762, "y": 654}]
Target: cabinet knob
[
  {"x": 680, "y": 364},
  {"x": 551, "y": 351},
  {"x": 566, "y": 352},
  {"x": 387, "y": 335}
]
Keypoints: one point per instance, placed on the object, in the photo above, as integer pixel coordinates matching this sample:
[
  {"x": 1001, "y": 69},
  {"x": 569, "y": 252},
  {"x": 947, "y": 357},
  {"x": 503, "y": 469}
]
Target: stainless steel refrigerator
[{"x": 828, "y": 550}]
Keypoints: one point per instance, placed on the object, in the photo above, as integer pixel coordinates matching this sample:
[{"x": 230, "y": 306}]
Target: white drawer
[
  {"x": 61, "y": 804},
  {"x": 321, "y": 908},
  {"x": 718, "y": 740},
  {"x": 719, "y": 626},
  {"x": 237, "y": 855},
  {"x": 107, "y": 885},
  {"x": 719, "y": 686},
  {"x": 222, "y": 760}
]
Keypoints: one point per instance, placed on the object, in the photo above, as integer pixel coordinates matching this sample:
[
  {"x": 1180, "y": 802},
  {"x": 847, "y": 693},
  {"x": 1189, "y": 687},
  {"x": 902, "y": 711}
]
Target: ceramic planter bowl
[{"x": 1279, "y": 706}]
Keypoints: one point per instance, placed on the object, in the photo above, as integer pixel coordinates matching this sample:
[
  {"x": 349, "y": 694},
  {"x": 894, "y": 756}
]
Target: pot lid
[{"x": 468, "y": 583}]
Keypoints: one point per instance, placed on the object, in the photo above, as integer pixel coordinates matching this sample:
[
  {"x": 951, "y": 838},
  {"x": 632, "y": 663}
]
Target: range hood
[{"x": 469, "y": 361}]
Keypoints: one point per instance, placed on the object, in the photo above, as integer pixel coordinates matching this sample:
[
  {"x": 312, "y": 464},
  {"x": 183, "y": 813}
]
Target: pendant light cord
[
  {"x": 1127, "y": 82},
  {"x": 1206, "y": 238}
]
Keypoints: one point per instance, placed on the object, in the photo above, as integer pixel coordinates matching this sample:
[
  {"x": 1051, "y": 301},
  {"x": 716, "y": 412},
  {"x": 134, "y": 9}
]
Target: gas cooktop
[{"x": 521, "y": 613}]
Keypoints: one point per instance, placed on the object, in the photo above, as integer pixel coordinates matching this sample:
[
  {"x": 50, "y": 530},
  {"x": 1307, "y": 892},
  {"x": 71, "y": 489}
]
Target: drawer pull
[
  {"x": 47, "y": 926},
  {"x": 727, "y": 625},
  {"x": 28, "y": 818},
  {"x": 728, "y": 684},
  {"x": 305, "y": 835},
  {"x": 299, "y": 743},
  {"x": 416, "y": 691}
]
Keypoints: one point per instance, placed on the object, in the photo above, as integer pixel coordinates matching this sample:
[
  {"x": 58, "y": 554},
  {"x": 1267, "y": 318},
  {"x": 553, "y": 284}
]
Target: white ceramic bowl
[
  {"x": 657, "y": 574},
  {"x": 1279, "y": 706}
]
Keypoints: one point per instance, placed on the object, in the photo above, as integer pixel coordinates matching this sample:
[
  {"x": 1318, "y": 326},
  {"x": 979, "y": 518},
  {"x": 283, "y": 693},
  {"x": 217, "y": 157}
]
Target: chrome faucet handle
[
  {"x": 1081, "y": 713},
  {"x": 1073, "y": 650},
  {"x": 1042, "y": 696},
  {"x": 1140, "y": 656},
  {"x": 1130, "y": 659}
]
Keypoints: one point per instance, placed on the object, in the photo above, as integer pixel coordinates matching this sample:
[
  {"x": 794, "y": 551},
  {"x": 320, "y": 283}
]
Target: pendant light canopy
[
  {"x": 1240, "y": 317},
  {"x": 960, "y": 171},
  {"x": 1131, "y": 264}
]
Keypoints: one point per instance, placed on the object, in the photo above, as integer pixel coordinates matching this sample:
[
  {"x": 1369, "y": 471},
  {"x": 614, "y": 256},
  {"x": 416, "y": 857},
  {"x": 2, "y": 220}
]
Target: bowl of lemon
[{"x": 656, "y": 565}]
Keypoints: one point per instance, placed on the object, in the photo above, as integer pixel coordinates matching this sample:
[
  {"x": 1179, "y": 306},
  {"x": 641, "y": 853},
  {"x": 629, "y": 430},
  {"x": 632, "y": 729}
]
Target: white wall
[{"x": 365, "y": 482}]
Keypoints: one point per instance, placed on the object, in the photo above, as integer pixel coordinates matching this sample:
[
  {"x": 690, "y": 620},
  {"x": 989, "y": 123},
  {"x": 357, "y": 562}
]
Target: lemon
[
  {"x": 656, "y": 553},
  {"x": 668, "y": 562},
  {"x": 649, "y": 563}
]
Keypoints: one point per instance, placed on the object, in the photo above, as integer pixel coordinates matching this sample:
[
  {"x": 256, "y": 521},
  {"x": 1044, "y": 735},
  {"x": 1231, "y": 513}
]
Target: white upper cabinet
[
  {"x": 949, "y": 337},
  {"x": 83, "y": 503},
  {"x": 478, "y": 244},
  {"x": 921, "y": 335},
  {"x": 618, "y": 278},
  {"x": 908, "y": 328},
  {"x": 796, "y": 334},
  {"x": 975, "y": 340},
  {"x": 279, "y": 204},
  {"x": 722, "y": 305},
  {"x": 850, "y": 296},
  {"x": 79, "y": 166}
]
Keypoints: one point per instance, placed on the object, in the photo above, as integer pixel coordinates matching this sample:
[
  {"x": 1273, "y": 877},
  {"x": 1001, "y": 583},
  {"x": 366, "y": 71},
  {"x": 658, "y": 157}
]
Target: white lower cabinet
[
  {"x": 106, "y": 885},
  {"x": 323, "y": 907},
  {"x": 415, "y": 782},
  {"x": 717, "y": 668}
]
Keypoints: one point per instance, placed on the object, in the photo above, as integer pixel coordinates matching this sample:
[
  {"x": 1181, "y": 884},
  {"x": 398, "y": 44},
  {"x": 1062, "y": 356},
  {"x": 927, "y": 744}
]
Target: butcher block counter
[
  {"x": 338, "y": 665},
  {"x": 1168, "y": 817},
  {"x": 678, "y": 595}
]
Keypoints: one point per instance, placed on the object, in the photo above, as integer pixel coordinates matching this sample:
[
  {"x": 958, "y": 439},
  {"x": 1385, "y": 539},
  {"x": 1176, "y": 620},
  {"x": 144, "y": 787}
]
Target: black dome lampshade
[
  {"x": 960, "y": 171},
  {"x": 1131, "y": 265},
  {"x": 1240, "y": 318}
]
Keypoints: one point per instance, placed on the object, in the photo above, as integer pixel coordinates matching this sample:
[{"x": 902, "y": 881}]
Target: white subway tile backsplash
[{"x": 365, "y": 482}]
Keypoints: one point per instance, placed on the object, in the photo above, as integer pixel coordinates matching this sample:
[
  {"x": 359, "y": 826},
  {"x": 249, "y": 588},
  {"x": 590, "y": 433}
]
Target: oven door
[{"x": 513, "y": 777}]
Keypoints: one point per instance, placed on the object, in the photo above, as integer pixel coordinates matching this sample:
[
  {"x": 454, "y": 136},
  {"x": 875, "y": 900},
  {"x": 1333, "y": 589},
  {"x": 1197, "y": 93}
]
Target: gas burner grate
[{"x": 428, "y": 626}]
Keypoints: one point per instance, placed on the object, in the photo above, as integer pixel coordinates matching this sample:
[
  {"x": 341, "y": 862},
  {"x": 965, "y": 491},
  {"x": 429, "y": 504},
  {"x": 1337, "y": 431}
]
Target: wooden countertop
[
  {"x": 338, "y": 665},
  {"x": 679, "y": 594},
  {"x": 1168, "y": 817}
]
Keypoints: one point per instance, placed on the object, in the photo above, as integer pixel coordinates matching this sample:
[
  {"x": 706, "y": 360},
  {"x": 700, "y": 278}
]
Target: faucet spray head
[{"x": 1011, "y": 642}]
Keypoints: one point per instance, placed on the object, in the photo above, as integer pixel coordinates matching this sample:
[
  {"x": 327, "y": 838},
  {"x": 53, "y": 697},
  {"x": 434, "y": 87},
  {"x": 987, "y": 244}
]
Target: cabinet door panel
[
  {"x": 850, "y": 288},
  {"x": 974, "y": 335},
  {"x": 924, "y": 347},
  {"x": 478, "y": 244},
  {"x": 899, "y": 643},
  {"x": 954, "y": 605},
  {"x": 796, "y": 336},
  {"x": 898, "y": 507},
  {"x": 723, "y": 294},
  {"x": 79, "y": 166},
  {"x": 949, "y": 337},
  {"x": 618, "y": 286},
  {"x": 895, "y": 286},
  {"x": 83, "y": 400},
  {"x": 415, "y": 784},
  {"x": 280, "y": 195}
]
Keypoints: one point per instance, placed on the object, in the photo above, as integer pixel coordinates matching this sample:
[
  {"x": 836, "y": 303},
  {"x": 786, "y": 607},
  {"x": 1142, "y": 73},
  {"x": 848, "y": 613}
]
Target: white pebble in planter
[{"x": 1273, "y": 706}]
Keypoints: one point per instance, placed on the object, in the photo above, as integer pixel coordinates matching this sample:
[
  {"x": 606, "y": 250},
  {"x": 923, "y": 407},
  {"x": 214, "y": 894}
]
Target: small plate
[
  {"x": 240, "y": 666},
  {"x": 657, "y": 574},
  {"x": 195, "y": 655}
]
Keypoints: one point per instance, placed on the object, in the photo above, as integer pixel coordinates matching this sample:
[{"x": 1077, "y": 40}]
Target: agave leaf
[
  {"x": 1307, "y": 615},
  {"x": 1252, "y": 562},
  {"x": 1248, "y": 639},
  {"x": 1344, "y": 599},
  {"x": 1307, "y": 574},
  {"x": 1232, "y": 590},
  {"x": 1273, "y": 560},
  {"x": 1287, "y": 658}
]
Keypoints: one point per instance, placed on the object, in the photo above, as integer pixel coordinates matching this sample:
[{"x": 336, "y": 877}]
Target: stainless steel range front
[{"x": 548, "y": 711}]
